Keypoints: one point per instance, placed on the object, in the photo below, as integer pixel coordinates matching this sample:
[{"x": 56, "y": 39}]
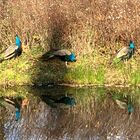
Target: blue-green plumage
[
  {"x": 125, "y": 53},
  {"x": 124, "y": 103},
  {"x": 17, "y": 112},
  {"x": 53, "y": 101},
  {"x": 17, "y": 41},
  {"x": 130, "y": 108},
  {"x": 13, "y": 104},
  {"x": 66, "y": 100},
  {"x": 12, "y": 51},
  {"x": 63, "y": 54}
]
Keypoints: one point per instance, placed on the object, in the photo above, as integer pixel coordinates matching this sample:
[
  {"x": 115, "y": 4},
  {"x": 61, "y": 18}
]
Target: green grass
[
  {"x": 135, "y": 77},
  {"x": 89, "y": 69},
  {"x": 18, "y": 71},
  {"x": 85, "y": 74}
]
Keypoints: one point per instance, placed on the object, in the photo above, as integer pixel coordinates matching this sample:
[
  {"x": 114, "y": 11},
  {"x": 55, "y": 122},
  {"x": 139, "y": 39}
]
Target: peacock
[
  {"x": 125, "y": 53},
  {"x": 12, "y": 51},
  {"x": 53, "y": 102},
  {"x": 66, "y": 100},
  {"x": 124, "y": 103},
  {"x": 63, "y": 54},
  {"x": 13, "y": 104}
]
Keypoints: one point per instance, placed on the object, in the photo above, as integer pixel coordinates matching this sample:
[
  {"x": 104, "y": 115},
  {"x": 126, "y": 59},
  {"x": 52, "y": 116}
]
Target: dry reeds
[{"x": 81, "y": 25}]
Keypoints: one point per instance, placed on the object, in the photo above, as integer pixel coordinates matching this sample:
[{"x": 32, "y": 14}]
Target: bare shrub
[{"x": 81, "y": 25}]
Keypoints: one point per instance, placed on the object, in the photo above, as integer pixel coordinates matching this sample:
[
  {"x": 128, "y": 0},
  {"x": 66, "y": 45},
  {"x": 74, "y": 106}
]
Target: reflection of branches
[
  {"x": 2, "y": 121},
  {"x": 88, "y": 119},
  {"x": 41, "y": 122}
]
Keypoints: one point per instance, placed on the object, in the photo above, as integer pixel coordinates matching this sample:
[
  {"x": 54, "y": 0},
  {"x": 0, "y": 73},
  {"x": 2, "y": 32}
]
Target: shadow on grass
[{"x": 52, "y": 70}]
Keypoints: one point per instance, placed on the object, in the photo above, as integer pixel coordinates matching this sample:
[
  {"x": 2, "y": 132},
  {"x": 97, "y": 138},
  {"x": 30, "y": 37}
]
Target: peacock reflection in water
[{"x": 74, "y": 114}]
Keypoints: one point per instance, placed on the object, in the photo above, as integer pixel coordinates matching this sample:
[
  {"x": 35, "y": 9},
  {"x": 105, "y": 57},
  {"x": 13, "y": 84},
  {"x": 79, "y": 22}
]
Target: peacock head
[
  {"x": 72, "y": 57},
  {"x": 130, "y": 108},
  {"x": 17, "y": 41},
  {"x": 131, "y": 44}
]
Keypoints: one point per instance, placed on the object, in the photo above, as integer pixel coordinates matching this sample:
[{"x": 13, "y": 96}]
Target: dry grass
[{"x": 96, "y": 23}]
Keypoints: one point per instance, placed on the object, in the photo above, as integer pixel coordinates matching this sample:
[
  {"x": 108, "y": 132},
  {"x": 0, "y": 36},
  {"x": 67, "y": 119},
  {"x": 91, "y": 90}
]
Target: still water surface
[{"x": 62, "y": 113}]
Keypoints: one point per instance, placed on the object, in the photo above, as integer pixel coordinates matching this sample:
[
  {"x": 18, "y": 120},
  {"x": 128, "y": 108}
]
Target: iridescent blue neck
[
  {"x": 72, "y": 57},
  {"x": 131, "y": 45},
  {"x": 17, "y": 41}
]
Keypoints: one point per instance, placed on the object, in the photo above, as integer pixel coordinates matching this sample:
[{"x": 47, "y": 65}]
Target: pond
[{"x": 64, "y": 113}]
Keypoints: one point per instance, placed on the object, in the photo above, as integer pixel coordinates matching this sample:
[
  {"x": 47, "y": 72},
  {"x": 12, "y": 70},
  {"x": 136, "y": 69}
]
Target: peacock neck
[{"x": 18, "y": 42}]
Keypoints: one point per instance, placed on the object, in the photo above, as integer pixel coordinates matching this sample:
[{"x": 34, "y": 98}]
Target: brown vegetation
[{"x": 82, "y": 25}]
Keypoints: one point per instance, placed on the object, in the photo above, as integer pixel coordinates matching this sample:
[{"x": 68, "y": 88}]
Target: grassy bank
[
  {"x": 89, "y": 69},
  {"x": 93, "y": 30}
]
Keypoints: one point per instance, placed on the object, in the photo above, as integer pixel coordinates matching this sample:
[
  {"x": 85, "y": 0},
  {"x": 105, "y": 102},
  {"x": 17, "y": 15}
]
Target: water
[{"x": 62, "y": 113}]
